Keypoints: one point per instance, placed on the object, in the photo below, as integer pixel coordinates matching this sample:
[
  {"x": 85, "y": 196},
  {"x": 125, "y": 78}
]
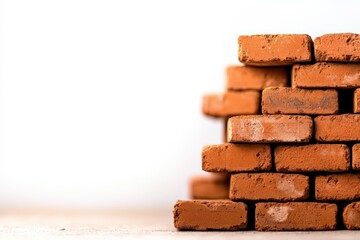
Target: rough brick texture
[
  {"x": 337, "y": 47},
  {"x": 355, "y": 163},
  {"x": 295, "y": 216},
  {"x": 231, "y": 157},
  {"x": 269, "y": 187},
  {"x": 210, "y": 215},
  {"x": 274, "y": 50},
  {"x": 326, "y": 75},
  {"x": 345, "y": 127},
  {"x": 285, "y": 100},
  {"x": 351, "y": 216},
  {"x": 209, "y": 187},
  {"x": 357, "y": 99},
  {"x": 274, "y": 128},
  {"x": 313, "y": 157},
  {"x": 245, "y": 77},
  {"x": 337, "y": 187},
  {"x": 231, "y": 103}
]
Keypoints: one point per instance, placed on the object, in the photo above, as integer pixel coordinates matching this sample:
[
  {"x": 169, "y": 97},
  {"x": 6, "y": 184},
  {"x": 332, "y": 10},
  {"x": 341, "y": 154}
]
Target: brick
[
  {"x": 337, "y": 128},
  {"x": 269, "y": 187},
  {"x": 351, "y": 216},
  {"x": 230, "y": 157},
  {"x": 326, "y": 75},
  {"x": 312, "y": 158},
  {"x": 209, "y": 187},
  {"x": 246, "y": 77},
  {"x": 295, "y": 216},
  {"x": 231, "y": 103},
  {"x": 286, "y": 100},
  {"x": 210, "y": 215},
  {"x": 357, "y": 99},
  {"x": 337, "y": 187},
  {"x": 337, "y": 47},
  {"x": 274, "y": 50},
  {"x": 355, "y": 163},
  {"x": 267, "y": 129}
]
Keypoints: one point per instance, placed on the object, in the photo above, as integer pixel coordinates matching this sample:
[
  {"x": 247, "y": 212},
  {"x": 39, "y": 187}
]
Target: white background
[{"x": 100, "y": 100}]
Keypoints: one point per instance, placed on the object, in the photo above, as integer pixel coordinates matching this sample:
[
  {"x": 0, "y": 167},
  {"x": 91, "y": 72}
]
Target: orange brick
[
  {"x": 236, "y": 157},
  {"x": 326, "y": 75},
  {"x": 269, "y": 186},
  {"x": 275, "y": 50},
  {"x": 270, "y": 128},
  {"x": 231, "y": 103},
  {"x": 337, "y": 47},
  {"x": 246, "y": 77},
  {"x": 351, "y": 216},
  {"x": 286, "y": 100},
  {"x": 355, "y": 165},
  {"x": 209, "y": 187},
  {"x": 357, "y": 99}
]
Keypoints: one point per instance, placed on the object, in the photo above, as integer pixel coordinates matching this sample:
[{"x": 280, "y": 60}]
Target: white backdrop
[{"x": 100, "y": 100}]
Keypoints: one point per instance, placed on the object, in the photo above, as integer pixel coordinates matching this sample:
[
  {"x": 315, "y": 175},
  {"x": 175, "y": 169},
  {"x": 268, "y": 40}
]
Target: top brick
[
  {"x": 275, "y": 50},
  {"x": 337, "y": 47}
]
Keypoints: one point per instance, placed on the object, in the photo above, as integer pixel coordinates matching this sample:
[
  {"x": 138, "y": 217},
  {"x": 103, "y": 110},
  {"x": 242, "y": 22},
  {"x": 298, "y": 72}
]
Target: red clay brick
[
  {"x": 351, "y": 216},
  {"x": 313, "y": 157},
  {"x": 209, "y": 187},
  {"x": 337, "y": 128},
  {"x": 269, "y": 187},
  {"x": 230, "y": 157},
  {"x": 337, "y": 47},
  {"x": 231, "y": 103},
  {"x": 274, "y": 128},
  {"x": 355, "y": 165},
  {"x": 286, "y": 100},
  {"x": 326, "y": 75},
  {"x": 337, "y": 187},
  {"x": 210, "y": 215},
  {"x": 295, "y": 216},
  {"x": 357, "y": 99},
  {"x": 246, "y": 77},
  {"x": 274, "y": 50}
]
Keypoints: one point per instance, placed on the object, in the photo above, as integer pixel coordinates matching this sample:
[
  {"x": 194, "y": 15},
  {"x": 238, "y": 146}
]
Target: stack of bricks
[{"x": 295, "y": 166}]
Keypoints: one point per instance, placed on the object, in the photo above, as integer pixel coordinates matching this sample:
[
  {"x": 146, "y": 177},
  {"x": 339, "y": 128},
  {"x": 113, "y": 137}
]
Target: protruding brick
[
  {"x": 230, "y": 157},
  {"x": 337, "y": 187},
  {"x": 214, "y": 186},
  {"x": 337, "y": 128},
  {"x": 337, "y": 47},
  {"x": 274, "y": 128},
  {"x": 269, "y": 187},
  {"x": 231, "y": 103},
  {"x": 326, "y": 75},
  {"x": 312, "y": 158},
  {"x": 295, "y": 216},
  {"x": 275, "y": 50},
  {"x": 210, "y": 215},
  {"x": 285, "y": 100},
  {"x": 357, "y": 99},
  {"x": 246, "y": 77},
  {"x": 351, "y": 216},
  {"x": 355, "y": 165}
]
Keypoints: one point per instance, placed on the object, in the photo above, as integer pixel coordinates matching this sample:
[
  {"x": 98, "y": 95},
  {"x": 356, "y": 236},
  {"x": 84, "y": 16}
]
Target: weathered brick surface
[
  {"x": 270, "y": 128},
  {"x": 246, "y": 77},
  {"x": 231, "y": 157},
  {"x": 210, "y": 215},
  {"x": 231, "y": 103},
  {"x": 274, "y": 50},
  {"x": 337, "y": 128},
  {"x": 355, "y": 163},
  {"x": 351, "y": 216},
  {"x": 209, "y": 187},
  {"x": 337, "y": 187},
  {"x": 326, "y": 75},
  {"x": 269, "y": 187},
  {"x": 286, "y": 100},
  {"x": 311, "y": 158},
  {"x": 337, "y": 47},
  {"x": 295, "y": 216},
  {"x": 357, "y": 99}
]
